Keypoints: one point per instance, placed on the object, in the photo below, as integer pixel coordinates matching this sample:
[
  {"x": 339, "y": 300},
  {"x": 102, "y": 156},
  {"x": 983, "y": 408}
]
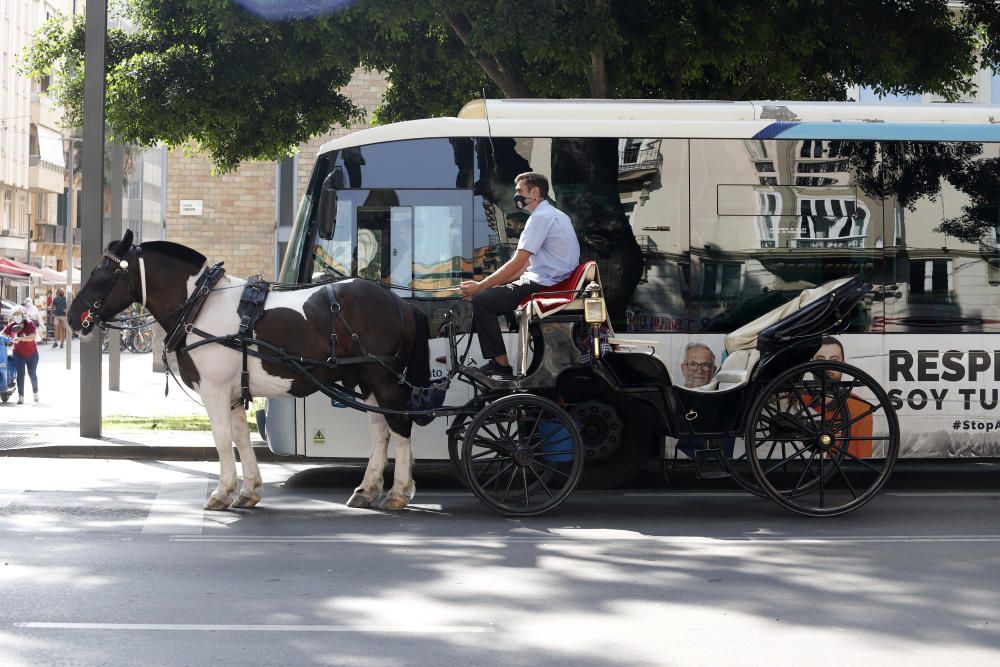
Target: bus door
[{"x": 420, "y": 243}]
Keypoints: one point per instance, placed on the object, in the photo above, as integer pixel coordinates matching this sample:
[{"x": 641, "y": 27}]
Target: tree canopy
[{"x": 244, "y": 87}]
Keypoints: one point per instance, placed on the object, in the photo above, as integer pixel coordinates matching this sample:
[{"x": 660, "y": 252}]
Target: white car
[{"x": 5, "y": 310}]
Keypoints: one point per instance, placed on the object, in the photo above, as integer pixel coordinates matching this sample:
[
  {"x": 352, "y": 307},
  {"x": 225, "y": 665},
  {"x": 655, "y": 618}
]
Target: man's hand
[{"x": 469, "y": 289}]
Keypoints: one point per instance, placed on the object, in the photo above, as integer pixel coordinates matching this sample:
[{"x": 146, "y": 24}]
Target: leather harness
[{"x": 250, "y": 309}]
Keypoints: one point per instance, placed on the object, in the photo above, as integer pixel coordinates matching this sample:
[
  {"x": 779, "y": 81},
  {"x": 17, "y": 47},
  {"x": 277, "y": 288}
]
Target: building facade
[
  {"x": 32, "y": 153},
  {"x": 233, "y": 217}
]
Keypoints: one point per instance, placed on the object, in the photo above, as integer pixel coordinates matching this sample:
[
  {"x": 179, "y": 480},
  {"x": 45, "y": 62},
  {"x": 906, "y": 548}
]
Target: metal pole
[
  {"x": 70, "y": 224},
  {"x": 93, "y": 203},
  {"x": 115, "y": 232}
]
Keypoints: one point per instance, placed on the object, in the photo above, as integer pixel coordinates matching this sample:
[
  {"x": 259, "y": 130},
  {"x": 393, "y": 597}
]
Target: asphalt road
[{"x": 115, "y": 563}]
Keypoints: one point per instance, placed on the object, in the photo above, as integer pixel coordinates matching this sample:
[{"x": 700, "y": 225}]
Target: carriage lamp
[{"x": 595, "y": 313}]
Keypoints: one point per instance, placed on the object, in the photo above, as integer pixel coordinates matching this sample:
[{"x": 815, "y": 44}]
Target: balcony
[
  {"x": 933, "y": 298},
  {"x": 44, "y": 176},
  {"x": 55, "y": 234},
  {"x": 44, "y": 111},
  {"x": 634, "y": 163},
  {"x": 836, "y": 242}
]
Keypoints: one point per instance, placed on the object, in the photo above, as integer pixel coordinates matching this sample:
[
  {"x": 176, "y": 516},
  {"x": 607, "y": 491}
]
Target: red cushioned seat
[{"x": 556, "y": 297}]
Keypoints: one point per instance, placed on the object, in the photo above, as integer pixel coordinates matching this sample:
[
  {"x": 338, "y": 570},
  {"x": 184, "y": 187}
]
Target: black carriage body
[{"x": 680, "y": 412}]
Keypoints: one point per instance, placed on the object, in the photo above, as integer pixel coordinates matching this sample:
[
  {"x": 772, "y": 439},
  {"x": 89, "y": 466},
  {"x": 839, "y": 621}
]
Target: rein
[{"x": 93, "y": 314}]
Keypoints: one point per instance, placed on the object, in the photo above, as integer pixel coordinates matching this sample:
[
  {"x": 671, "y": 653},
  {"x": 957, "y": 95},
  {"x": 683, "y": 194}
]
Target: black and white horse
[{"x": 162, "y": 276}]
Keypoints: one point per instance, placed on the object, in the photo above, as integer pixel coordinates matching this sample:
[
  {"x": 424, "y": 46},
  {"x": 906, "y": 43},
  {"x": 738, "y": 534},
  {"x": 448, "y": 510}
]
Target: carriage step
[{"x": 709, "y": 464}]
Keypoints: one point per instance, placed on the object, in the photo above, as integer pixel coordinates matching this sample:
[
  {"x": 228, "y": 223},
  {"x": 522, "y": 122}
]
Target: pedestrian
[
  {"x": 23, "y": 330},
  {"x": 33, "y": 314},
  {"x": 59, "y": 315}
]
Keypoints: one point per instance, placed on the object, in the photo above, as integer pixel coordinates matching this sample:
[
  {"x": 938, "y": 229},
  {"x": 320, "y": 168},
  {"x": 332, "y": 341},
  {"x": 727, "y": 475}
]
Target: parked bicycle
[{"x": 138, "y": 340}]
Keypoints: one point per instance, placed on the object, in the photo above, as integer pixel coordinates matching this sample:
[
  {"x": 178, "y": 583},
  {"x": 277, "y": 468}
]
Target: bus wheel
[{"x": 614, "y": 453}]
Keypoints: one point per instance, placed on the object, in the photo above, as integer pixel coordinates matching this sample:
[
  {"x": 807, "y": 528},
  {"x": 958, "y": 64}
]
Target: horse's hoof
[
  {"x": 247, "y": 499},
  {"x": 359, "y": 499},
  {"x": 218, "y": 503},
  {"x": 393, "y": 502}
]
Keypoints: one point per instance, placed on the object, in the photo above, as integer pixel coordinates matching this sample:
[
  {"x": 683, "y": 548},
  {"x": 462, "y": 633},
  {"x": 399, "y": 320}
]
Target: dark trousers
[
  {"x": 29, "y": 363},
  {"x": 490, "y": 304}
]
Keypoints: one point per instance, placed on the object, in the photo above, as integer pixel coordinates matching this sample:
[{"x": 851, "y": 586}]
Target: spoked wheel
[
  {"x": 522, "y": 455},
  {"x": 142, "y": 341},
  {"x": 822, "y": 438}
]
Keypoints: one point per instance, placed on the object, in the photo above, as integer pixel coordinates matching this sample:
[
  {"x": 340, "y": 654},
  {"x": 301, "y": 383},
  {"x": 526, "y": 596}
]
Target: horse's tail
[{"x": 418, "y": 370}]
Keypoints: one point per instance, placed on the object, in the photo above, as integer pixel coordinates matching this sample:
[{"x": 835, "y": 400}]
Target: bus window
[
  {"x": 627, "y": 199},
  {"x": 413, "y": 240},
  {"x": 944, "y": 199},
  {"x": 772, "y": 217},
  {"x": 417, "y": 163},
  {"x": 332, "y": 258}
]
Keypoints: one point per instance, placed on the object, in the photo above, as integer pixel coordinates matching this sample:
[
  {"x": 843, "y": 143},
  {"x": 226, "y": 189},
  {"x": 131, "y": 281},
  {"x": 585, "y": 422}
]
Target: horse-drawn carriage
[{"x": 819, "y": 437}]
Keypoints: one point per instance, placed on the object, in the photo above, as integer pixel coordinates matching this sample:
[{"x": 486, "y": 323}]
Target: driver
[{"x": 547, "y": 252}]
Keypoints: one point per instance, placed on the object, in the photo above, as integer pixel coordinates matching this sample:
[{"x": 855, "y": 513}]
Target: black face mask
[{"x": 520, "y": 201}]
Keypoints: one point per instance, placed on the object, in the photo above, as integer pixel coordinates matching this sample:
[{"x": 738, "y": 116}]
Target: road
[{"x": 115, "y": 563}]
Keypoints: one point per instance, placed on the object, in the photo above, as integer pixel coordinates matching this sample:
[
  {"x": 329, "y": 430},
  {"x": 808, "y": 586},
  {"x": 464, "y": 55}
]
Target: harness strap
[
  {"x": 334, "y": 312},
  {"x": 250, "y": 309},
  {"x": 189, "y": 311},
  {"x": 142, "y": 273}
]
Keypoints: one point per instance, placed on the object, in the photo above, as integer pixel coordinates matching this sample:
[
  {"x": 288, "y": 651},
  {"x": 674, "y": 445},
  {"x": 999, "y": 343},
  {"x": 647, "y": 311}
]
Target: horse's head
[{"x": 108, "y": 290}]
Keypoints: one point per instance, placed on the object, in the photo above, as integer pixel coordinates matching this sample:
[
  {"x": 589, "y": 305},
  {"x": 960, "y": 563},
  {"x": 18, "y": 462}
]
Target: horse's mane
[{"x": 175, "y": 250}]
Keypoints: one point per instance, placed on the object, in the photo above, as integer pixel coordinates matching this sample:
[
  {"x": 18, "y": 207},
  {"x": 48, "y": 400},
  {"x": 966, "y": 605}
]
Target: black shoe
[{"x": 493, "y": 369}]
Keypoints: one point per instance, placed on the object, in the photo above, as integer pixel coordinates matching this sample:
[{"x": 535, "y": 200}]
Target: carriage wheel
[
  {"x": 142, "y": 341},
  {"x": 822, "y": 438},
  {"x": 522, "y": 455}
]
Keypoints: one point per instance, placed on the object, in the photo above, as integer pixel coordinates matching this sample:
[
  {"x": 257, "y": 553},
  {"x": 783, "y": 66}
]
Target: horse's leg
[
  {"x": 403, "y": 488},
  {"x": 252, "y": 482},
  {"x": 217, "y": 404},
  {"x": 371, "y": 485}
]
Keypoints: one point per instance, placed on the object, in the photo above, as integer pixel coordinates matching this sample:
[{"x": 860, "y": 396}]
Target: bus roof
[{"x": 696, "y": 119}]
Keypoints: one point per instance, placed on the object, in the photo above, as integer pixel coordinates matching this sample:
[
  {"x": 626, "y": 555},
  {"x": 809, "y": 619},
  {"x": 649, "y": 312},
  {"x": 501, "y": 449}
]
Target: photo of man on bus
[{"x": 833, "y": 350}]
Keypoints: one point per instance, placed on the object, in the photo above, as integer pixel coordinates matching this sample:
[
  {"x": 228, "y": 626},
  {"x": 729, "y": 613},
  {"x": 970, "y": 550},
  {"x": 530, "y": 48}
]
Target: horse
[{"x": 337, "y": 322}]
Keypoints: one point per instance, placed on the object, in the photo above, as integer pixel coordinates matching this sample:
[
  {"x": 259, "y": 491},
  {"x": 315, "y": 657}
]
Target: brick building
[{"x": 233, "y": 217}]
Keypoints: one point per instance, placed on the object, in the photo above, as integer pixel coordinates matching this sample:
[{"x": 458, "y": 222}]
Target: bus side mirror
[{"x": 326, "y": 222}]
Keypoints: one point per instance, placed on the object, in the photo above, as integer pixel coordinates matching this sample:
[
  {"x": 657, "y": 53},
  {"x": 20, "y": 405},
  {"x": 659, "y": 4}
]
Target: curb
[{"x": 142, "y": 452}]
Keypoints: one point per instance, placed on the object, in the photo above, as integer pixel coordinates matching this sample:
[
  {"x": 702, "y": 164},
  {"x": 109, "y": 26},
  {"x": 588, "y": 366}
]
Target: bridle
[{"x": 93, "y": 314}]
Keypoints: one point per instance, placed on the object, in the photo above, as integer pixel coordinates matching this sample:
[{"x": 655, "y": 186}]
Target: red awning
[
  {"x": 8, "y": 264},
  {"x": 7, "y": 268}
]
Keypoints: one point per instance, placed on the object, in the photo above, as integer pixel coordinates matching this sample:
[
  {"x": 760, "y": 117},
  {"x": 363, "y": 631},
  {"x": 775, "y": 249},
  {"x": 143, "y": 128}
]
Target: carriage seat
[
  {"x": 566, "y": 294},
  {"x": 735, "y": 371}
]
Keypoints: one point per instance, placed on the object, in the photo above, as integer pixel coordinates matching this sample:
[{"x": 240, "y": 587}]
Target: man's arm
[{"x": 509, "y": 272}]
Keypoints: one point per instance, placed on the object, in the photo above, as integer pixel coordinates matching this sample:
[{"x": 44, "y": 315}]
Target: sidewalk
[{"x": 51, "y": 427}]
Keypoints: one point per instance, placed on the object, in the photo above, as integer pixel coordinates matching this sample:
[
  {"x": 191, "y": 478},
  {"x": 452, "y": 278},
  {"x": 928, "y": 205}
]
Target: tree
[{"x": 242, "y": 87}]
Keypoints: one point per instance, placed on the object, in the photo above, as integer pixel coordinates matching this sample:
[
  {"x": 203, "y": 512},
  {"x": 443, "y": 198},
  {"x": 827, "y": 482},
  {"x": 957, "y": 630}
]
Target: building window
[
  {"x": 931, "y": 281},
  {"x": 720, "y": 281},
  {"x": 769, "y": 207},
  {"x": 831, "y": 223}
]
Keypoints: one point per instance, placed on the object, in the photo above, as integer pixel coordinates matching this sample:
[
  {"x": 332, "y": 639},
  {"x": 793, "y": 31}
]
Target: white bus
[{"x": 702, "y": 216}]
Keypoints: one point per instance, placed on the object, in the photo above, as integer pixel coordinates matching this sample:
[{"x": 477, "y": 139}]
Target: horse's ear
[{"x": 126, "y": 242}]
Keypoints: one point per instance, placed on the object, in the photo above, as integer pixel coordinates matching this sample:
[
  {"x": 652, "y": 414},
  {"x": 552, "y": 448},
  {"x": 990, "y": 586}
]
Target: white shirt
[{"x": 550, "y": 238}]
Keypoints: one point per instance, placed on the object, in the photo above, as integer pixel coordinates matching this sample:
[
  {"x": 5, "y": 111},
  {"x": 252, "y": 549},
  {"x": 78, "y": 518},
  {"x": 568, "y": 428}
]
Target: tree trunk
[
  {"x": 585, "y": 178},
  {"x": 511, "y": 86}
]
